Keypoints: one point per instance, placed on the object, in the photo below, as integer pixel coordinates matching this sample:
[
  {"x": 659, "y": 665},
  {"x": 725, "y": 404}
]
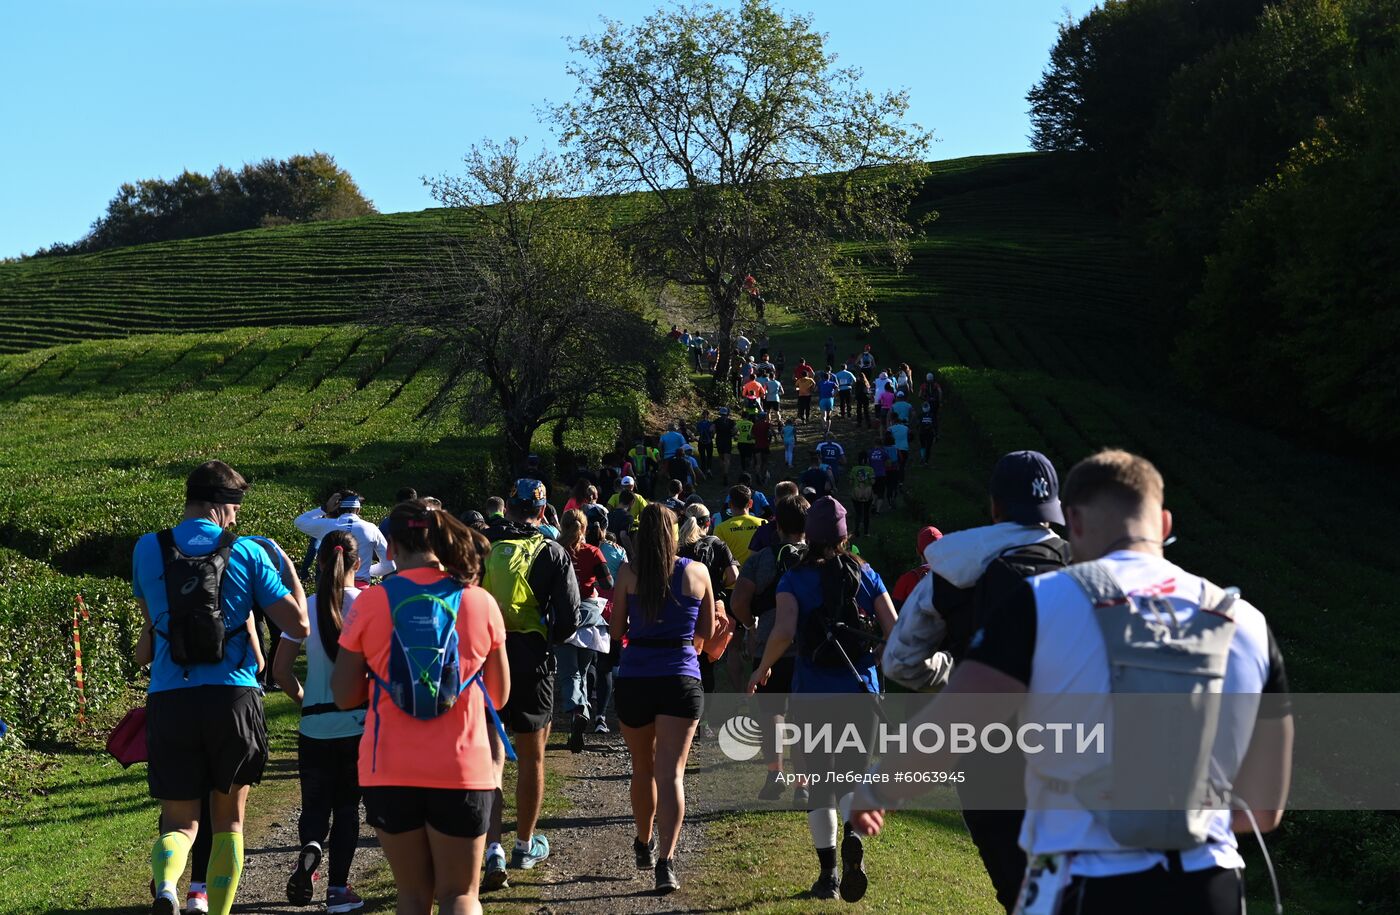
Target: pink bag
[{"x": 127, "y": 742}]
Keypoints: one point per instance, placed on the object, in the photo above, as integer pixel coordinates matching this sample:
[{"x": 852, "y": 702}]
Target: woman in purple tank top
[{"x": 661, "y": 605}]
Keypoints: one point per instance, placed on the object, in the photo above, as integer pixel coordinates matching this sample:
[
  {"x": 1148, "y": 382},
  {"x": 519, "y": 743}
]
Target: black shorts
[
  {"x": 723, "y": 447},
  {"x": 639, "y": 700},
  {"x": 458, "y": 812},
  {"x": 773, "y": 695},
  {"x": 202, "y": 739},
  {"x": 532, "y": 665}
]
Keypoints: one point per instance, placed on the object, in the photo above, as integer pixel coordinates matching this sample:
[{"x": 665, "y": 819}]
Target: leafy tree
[
  {"x": 271, "y": 192},
  {"x": 753, "y": 153},
  {"x": 539, "y": 311}
]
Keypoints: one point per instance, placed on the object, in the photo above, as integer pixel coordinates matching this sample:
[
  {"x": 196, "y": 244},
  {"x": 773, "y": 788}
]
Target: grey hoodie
[{"x": 911, "y": 655}]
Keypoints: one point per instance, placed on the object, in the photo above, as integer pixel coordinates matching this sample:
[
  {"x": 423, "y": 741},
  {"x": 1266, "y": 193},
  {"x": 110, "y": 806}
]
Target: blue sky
[{"x": 102, "y": 92}]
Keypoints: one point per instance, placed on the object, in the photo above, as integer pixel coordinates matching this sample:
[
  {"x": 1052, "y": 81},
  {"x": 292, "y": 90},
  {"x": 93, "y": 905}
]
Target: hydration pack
[
  {"x": 786, "y": 556},
  {"x": 838, "y": 631},
  {"x": 507, "y": 576},
  {"x": 965, "y": 610},
  {"x": 195, "y": 629},
  {"x": 1149, "y": 652}
]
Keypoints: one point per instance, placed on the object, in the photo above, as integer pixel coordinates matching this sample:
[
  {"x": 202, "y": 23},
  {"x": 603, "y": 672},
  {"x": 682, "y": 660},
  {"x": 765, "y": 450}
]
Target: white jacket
[{"x": 911, "y": 654}]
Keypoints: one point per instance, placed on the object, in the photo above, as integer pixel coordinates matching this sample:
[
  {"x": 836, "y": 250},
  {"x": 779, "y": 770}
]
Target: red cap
[{"x": 928, "y": 535}]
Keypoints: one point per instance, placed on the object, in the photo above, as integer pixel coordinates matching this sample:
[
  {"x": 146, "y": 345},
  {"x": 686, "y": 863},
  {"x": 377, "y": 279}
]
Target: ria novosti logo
[{"x": 740, "y": 738}]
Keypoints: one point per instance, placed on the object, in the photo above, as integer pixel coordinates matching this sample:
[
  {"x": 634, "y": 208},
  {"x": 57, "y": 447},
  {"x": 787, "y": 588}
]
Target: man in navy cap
[{"x": 969, "y": 572}]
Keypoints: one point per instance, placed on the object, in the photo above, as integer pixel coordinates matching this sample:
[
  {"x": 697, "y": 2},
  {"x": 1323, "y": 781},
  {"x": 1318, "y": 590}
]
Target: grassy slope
[{"x": 1028, "y": 305}]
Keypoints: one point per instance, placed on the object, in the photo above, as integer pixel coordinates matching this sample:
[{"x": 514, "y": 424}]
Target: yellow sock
[
  {"x": 168, "y": 857},
  {"x": 225, "y": 866}
]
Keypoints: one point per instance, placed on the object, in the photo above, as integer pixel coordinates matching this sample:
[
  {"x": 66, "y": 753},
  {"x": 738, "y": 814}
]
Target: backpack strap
[{"x": 1099, "y": 584}]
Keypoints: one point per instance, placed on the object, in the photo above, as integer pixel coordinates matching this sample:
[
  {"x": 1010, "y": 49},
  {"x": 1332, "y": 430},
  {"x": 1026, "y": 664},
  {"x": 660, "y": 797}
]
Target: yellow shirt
[
  {"x": 736, "y": 532},
  {"x": 743, "y": 432},
  {"x": 638, "y": 503}
]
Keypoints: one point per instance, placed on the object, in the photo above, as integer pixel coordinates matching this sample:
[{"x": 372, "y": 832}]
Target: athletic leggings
[
  {"x": 862, "y": 410},
  {"x": 862, "y": 523},
  {"x": 330, "y": 799}
]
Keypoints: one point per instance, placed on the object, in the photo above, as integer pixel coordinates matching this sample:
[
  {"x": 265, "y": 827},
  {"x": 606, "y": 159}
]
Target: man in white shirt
[
  {"x": 845, "y": 378},
  {"x": 1046, "y": 641},
  {"x": 342, "y": 513}
]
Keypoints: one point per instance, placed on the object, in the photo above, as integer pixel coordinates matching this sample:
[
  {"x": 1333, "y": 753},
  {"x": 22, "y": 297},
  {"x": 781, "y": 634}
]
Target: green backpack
[{"x": 507, "y": 577}]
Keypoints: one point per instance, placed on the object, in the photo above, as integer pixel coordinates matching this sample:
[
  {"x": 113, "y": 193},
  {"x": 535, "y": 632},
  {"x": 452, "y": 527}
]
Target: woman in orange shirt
[{"x": 428, "y": 782}]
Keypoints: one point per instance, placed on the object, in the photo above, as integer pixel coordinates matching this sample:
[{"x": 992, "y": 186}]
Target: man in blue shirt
[
  {"x": 833, "y": 455},
  {"x": 205, "y": 730},
  {"x": 672, "y": 444}
]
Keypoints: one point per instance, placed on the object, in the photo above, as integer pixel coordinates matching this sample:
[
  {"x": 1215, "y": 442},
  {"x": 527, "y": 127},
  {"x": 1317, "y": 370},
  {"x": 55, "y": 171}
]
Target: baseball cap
[
  {"x": 528, "y": 492},
  {"x": 472, "y": 517},
  {"x": 900, "y": 395},
  {"x": 1025, "y": 485},
  {"x": 826, "y": 521},
  {"x": 723, "y": 411},
  {"x": 628, "y": 481},
  {"x": 928, "y": 535}
]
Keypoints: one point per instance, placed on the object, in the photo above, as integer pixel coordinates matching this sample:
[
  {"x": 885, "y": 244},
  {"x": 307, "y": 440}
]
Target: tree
[
  {"x": 537, "y": 310},
  {"x": 754, "y": 155}
]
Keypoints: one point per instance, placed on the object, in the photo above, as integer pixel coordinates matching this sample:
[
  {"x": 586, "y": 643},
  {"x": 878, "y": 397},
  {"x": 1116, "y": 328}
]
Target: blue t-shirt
[
  {"x": 671, "y": 442},
  {"x": 902, "y": 409},
  {"x": 826, "y": 389},
  {"x": 789, "y": 435},
  {"x": 250, "y": 577},
  {"x": 831, "y": 453},
  {"x": 760, "y": 502},
  {"x": 901, "y": 436},
  {"x": 804, "y": 584},
  {"x": 705, "y": 430},
  {"x": 877, "y": 461},
  {"x": 844, "y": 379}
]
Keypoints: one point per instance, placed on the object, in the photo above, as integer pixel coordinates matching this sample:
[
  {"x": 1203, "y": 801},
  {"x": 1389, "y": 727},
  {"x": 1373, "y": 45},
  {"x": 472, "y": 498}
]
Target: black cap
[
  {"x": 472, "y": 517},
  {"x": 1025, "y": 485}
]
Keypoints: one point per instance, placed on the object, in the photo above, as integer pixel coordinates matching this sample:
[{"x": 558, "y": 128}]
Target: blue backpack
[{"x": 425, "y": 676}]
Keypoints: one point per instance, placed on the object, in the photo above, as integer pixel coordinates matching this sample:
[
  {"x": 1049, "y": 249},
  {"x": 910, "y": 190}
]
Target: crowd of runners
[{"x": 442, "y": 645}]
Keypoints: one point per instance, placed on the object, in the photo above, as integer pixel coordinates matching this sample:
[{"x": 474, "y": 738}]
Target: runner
[
  {"x": 818, "y": 671},
  {"x": 762, "y": 444},
  {"x": 673, "y": 454},
  {"x": 899, "y": 431},
  {"x": 705, "y": 435},
  {"x": 773, "y": 396},
  {"x": 405, "y": 494},
  {"x": 894, "y": 473},
  {"x": 577, "y": 655},
  {"x": 867, "y": 360},
  {"x": 1048, "y": 637},
  {"x": 885, "y": 397},
  {"x": 928, "y": 429},
  {"x": 803, "y": 370},
  {"x": 328, "y": 738},
  {"x": 806, "y": 386},
  {"x": 427, "y": 783},
  {"x": 724, "y": 441},
  {"x": 845, "y": 381},
  {"x": 695, "y": 542},
  {"x": 830, "y": 353},
  {"x": 789, "y": 441},
  {"x": 906, "y": 583},
  {"x": 533, "y": 581},
  {"x": 743, "y": 435},
  {"x": 755, "y": 596},
  {"x": 742, "y": 345},
  {"x": 628, "y": 487},
  {"x": 818, "y": 477},
  {"x": 600, "y": 691},
  {"x": 833, "y": 456},
  {"x": 737, "y": 530},
  {"x": 876, "y": 459},
  {"x": 826, "y": 399},
  {"x": 860, "y": 391},
  {"x": 862, "y": 495},
  {"x": 662, "y": 604},
  {"x": 205, "y": 731},
  {"x": 342, "y": 513}
]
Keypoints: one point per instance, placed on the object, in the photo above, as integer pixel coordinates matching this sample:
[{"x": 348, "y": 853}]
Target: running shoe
[
  {"x": 600, "y": 725},
  {"x": 165, "y": 903},
  {"x": 827, "y": 886},
  {"x": 495, "y": 878},
  {"x": 801, "y": 797},
  {"x": 666, "y": 879},
  {"x": 342, "y": 899},
  {"x": 525, "y": 860},
  {"x": 645, "y": 852},
  {"x": 299, "y": 888},
  {"x": 705, "y": 732},
  {"x": 196, "y": 902},
  {"x": 772, "y": 788},
  {"x": 853, "y": 879},
  {"x": 576, "y": 728}
]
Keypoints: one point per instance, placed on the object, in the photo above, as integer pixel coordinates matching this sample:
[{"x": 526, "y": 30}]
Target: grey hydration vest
[{"x": 1149, "y": 652}]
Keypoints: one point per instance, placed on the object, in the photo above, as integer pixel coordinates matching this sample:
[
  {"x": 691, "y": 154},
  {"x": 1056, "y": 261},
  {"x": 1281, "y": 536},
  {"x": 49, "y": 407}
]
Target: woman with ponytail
[
  {"x": 328, "y": 742},
  {"x": 428, "y": 783},
  {"x": 577, "y": 655}
]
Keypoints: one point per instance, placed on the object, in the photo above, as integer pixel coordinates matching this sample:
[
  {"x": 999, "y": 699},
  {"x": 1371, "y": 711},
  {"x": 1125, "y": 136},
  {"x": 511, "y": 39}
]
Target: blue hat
[
  {"x": 529, "y": 492},
  {"x": 1025, "y": 485}
]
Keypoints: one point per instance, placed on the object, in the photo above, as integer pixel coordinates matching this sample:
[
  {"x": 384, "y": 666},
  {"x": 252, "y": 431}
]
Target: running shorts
[
  {"x": 204, "y": 738},
  {"x": 827, "y": 404},
  {"x": 532, "y": 665},
  {"x": 640, "y": 699},
  {"x": 457, "y": 812}
]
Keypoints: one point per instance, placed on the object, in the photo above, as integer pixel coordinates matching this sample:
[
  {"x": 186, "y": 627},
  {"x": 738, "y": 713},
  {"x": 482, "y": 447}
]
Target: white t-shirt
[
  {"x": 1067, "y": 660},
  {"x": 316, "y": 690},
  {"x": 369, "y": 540}
]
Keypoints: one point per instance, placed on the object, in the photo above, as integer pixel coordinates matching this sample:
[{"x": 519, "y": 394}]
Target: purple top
[{"x": 675, "y": 622}]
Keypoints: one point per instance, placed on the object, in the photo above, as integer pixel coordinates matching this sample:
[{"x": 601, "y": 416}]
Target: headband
[{"x": 217, "y": 495}]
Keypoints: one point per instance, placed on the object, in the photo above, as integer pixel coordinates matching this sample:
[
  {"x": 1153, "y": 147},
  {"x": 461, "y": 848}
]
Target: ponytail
[
  {"x": 336, "y": 557},
  {"x": 573, "y": 529},
  {"x": 416, "y": 528}
]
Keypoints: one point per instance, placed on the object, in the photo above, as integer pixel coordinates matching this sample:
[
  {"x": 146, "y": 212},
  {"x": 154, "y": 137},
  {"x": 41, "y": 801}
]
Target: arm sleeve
[
  {"x": 552, "y": 578},
  {"x": 912, "y": 657},
  {"x": 315, "y": 523},
  {"x": 1007, "y": 641},
  {"x": 1275, "y": 702}
]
